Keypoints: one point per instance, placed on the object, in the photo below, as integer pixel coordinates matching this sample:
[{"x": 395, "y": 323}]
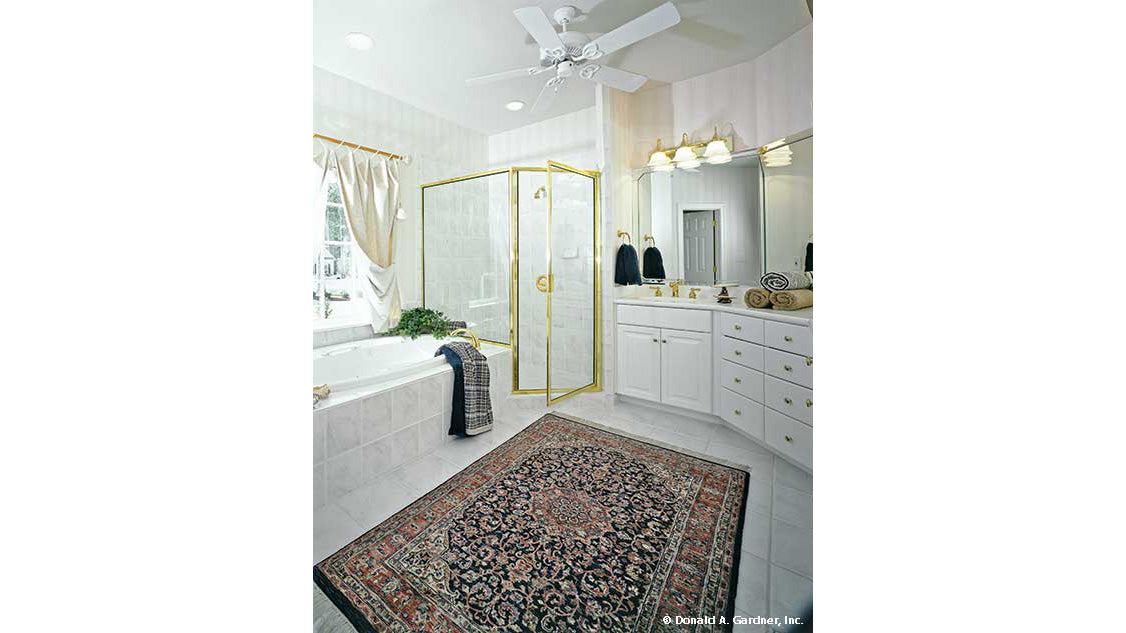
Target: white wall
[
  {"x": 571, "y": 139},
  {"x": 439, "y": 148}
]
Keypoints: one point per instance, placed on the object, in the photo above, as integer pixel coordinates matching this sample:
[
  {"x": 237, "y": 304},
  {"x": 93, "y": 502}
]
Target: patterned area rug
[{"x": 568, "y": 526}]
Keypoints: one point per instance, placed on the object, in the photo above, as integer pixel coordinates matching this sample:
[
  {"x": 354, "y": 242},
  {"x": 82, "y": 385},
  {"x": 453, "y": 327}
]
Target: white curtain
[{"x": 369, "y": 186}]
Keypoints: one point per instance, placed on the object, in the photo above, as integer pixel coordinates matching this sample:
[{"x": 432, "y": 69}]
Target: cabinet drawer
[
  {"x": 797, "y": 339},
  {"x": 693, "y": 320},
  {"x": 742, "y": 352},
  {"x": 789, "y": 366},
  {"x": 789, "y": 437},
  {"x": 741, "y": 327},
  {"x": 637, "y": 315},
  {"x": 743, "y": 381},
  {"x": 793, "y": 400},
  {"x": 741, "y": 413}
]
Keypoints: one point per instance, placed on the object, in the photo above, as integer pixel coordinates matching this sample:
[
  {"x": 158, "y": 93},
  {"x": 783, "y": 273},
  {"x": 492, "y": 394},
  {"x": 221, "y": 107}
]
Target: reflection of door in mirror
[
  {"x": 788, "y": 197},
  {"x": 701, "y": 229}
]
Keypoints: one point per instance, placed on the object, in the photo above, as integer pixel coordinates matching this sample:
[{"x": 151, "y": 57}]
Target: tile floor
[{"x": 776, "y": 564}]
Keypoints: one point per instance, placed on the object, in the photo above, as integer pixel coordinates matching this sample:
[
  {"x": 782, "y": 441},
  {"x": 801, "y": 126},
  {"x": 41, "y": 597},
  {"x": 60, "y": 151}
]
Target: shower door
[{"x": 572, "y": 282}]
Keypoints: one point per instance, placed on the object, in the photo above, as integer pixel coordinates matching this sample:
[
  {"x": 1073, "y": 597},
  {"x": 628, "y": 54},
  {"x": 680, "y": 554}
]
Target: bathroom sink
[{"x": 668, "y": 299}]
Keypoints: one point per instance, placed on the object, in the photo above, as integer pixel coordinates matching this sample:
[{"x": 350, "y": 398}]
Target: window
[{"x": 335, "y": 292}]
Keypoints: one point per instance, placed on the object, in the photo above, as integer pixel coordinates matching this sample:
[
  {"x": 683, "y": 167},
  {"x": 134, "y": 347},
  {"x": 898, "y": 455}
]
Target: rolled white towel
[{"x": 785, "y": 281}]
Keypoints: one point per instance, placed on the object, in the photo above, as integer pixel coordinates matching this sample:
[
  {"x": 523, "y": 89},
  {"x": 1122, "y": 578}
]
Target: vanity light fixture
[
  {"x": 514, "y": 106},
  {"x": 358, "y": 41},
  {"x": 659, "y": 158},
  {"x": 716, "y": 153},
  {"x": 779, "y": 157},
  {"x": 685, "y": 156}
]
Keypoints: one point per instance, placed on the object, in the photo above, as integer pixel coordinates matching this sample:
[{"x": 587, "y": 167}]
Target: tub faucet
[{"x": 467, "y": 334}]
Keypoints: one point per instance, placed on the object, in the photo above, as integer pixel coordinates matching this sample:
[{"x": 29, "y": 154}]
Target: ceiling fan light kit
[{"x": 571, "y": 52}]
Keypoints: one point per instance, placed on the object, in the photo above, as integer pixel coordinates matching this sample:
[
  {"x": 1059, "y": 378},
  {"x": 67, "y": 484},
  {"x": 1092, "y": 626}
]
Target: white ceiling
[{"x": 425, "y": 49}]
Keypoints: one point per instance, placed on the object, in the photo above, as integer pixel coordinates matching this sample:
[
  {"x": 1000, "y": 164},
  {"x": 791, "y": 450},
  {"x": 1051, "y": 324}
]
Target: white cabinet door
[
  {"x": 639, "y": 362},
  {"x": 686, "y": 369}
]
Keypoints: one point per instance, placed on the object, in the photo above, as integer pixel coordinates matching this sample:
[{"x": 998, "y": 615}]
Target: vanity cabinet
[
  {"x": 765, "y": 373},
  {"x": 665, "y": 355}
]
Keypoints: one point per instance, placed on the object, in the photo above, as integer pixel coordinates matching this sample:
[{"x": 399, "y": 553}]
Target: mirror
[
  {"x": 788, "y": 198},
  {"x": 705, "y": 222},
  {"x": 729, "y": 222}
]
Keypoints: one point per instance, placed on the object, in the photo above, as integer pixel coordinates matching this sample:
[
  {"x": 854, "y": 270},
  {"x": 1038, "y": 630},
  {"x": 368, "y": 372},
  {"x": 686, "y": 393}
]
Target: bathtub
[
  {"x": 367, "y": 365},
  {"x": 391, "y": 401}
]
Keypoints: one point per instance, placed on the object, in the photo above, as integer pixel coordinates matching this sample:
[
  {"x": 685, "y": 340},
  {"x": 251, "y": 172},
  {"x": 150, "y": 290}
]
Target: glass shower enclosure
[{"x": 538, "y": 229}]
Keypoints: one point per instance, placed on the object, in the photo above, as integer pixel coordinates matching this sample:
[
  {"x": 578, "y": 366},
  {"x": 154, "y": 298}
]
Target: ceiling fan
[{"x": 571, "y": 52}]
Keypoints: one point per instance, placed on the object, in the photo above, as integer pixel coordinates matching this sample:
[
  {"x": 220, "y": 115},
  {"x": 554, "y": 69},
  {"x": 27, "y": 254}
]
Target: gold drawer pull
[
  {"x": 655, "y": 341},
  {"x": 787, "y": 368},
  {"x": 788, "y": 401},
  {"x": 738, "y": 412},
  {"x": 664, "y": 340},
  {"x": 788, "y": 339},
  {"x": 738, "y": 353},
  {"x": 737, "y": 381},
  {"x": 809, "y": 403},
  {"x": 738, "y": 327},
  {"x": 789, "y": 439},
  {"x": 808, "y": 362}
]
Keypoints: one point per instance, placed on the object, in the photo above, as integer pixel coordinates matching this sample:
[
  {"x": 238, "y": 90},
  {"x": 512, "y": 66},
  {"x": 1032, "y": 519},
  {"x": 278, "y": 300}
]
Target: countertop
[{"x": 796, "y": 317}]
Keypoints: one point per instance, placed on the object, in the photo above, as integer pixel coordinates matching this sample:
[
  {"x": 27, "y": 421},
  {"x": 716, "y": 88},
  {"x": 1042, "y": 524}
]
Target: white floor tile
[
  {"x": 424, "y": 474},
  {"x": 750, "y": 592},
  {"x": 793, "y": 477},
  {"x": 374, "y": 503},
  {"x": 333, "y": 528},
  {"x": 793, "y": 506},
  {"x": 756, "y": 534},
  {"x": 789, "y": 592},
  {"x": 792, "y": 547}
]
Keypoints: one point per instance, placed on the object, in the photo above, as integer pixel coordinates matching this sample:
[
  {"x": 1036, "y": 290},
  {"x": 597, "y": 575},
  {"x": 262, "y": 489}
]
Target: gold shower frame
[{"x": 514, "y": 270}]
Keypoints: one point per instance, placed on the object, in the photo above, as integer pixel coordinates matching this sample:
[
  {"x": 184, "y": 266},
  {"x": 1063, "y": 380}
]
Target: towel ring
[
  {"x": 621, "y": 233},
  {"x": 649, "y": 238}
]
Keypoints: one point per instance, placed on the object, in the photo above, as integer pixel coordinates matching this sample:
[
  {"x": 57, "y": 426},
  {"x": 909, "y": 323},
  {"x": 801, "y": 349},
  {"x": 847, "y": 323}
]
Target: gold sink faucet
[
  {"x": 467, "y": 333},
  {"x": 656, "y": 291},
  {"x": 675, "y": 285}
]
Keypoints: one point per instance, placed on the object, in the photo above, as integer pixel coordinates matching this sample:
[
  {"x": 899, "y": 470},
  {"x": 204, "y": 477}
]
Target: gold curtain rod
[{"x": 366, "y": 149}]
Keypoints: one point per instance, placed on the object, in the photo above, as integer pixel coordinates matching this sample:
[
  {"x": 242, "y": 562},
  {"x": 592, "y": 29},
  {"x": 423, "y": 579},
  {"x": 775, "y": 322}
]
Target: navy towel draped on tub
[{"x": 472, "y": 410}]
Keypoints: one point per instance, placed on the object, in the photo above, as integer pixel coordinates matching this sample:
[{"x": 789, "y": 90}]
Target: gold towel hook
[
  {"x": 649, "y": 238},
  {"x": 621, "y": 233}
]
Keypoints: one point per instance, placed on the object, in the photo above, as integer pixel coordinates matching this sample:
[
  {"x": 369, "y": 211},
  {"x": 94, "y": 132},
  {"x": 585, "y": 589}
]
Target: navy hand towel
[
  {"x": 626, "y": 270},
  {"x": 653, "y": 267}
]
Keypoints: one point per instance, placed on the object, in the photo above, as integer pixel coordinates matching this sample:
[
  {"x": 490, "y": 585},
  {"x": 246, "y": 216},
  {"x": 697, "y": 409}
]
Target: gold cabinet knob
[
  {"x": 808, "y": 362},
  {"x": 788, "y": 401},
  {"x": 655, "y": 341},
  {"x": 738, "y": 353},
  {"x": 787, "y": 368},
  {"x": 664, "y": 340},
  {"x": 789, "y": 339},
  {"x": 738, "y": 412},
  {"x": 809, "y": 403},
  {"x": 737, "y": 380},
  {"x": 738, "y": 327},
  {"x": 789, "y": 439}
]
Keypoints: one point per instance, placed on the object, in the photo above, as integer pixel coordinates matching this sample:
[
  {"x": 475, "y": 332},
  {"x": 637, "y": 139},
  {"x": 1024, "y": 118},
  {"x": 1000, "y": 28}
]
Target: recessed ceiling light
[
  {"x": 358, "y": 41},
  {"x": 514, "y": 105}
]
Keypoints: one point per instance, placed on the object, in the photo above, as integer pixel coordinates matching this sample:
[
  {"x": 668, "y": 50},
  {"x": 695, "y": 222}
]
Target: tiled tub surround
[
  {"x": 363, "y": 433},
  {"x": 328, "y": 334}
]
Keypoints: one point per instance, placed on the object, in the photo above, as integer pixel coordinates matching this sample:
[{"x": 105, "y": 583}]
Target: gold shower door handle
[{"x": 543, "y": 283}]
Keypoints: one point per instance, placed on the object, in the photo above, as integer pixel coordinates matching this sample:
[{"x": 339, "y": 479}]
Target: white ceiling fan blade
[
  {"x": 547, "y": 94},
  {"x": 508, "y": 74},
  {"x": 635, "y": 30},
  {"x": 536, "y": 23},
  {"x": 613, "y": 77}
]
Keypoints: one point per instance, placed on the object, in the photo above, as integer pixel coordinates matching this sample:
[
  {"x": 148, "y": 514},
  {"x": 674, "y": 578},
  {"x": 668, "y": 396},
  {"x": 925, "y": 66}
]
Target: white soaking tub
[
  {"x": 391, "y": 401},
  {"x": 358, "y": 365}
]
